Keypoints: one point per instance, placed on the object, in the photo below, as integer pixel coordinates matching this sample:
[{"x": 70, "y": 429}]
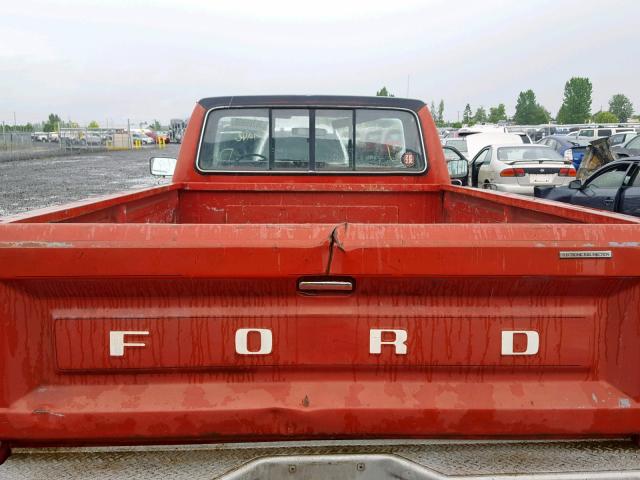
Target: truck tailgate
[{"x": 178, "y": 296}]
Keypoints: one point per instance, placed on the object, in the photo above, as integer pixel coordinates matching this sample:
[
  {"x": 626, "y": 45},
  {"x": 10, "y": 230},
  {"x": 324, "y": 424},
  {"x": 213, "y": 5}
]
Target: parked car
[
  {"x": 524, "y": 136},
  {"x": 592, "y": 133},
  {"x": 92, "y": 139},
  {"x": 550, "y": 130},
  {"x": 40, "y": 137},
  {"x": 569, "y": 148},
  {"x": 478, "y": 141},
  {"x": 572, "y": 135},
  {"x": 621, "y": 138},
  {"x": 629, "y": 149},
  {"x": 460, "y": 144},
  {"x": 519, "y": 168},
  {"x": 475, "y": 129},
  {"x": 457, "y": 165},
  {"x": 146, "y": 140},
  {"x": 614, "y": 187}
]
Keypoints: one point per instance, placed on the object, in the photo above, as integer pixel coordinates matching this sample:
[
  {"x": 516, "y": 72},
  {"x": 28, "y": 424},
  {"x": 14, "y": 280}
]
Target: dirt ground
[{"x": 30, "y": 184}]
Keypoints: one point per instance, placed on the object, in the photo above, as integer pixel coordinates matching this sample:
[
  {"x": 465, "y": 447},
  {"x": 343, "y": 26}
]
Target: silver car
[{"x": 519, "y": 168}]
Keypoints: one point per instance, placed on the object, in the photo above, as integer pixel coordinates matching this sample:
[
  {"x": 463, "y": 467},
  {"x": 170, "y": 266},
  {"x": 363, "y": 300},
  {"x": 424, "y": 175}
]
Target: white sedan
[{"x": 519, "y": 168}]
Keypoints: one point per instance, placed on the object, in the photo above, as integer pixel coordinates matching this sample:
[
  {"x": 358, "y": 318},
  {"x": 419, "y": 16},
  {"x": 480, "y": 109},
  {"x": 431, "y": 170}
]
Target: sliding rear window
[{"x": 311, "y": 140}]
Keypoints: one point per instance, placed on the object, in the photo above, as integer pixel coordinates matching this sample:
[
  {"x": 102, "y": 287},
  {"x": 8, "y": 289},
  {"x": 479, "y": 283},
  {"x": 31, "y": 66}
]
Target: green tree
[
  {"x": 480, "y": 116},
  {"x": 383, "y": 92},
  {"x": 93, "y": 124},
  {"x": 51, "y": 125},
  {"x": 605, "y": 117},
  {"x": 621, "y": 107},
  {"x": 496, "y": 114},
  {"x": 441, "y": 113},
  {"x": 432, "y": 109},
  {"x": 467, "y": 115},
  {"x": 155, "y": 125},
  {"x": 528, "y": 111},
  {"x": 576, "y": 105}
]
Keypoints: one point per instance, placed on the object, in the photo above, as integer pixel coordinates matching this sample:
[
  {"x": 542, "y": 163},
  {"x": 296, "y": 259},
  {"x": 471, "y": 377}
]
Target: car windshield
[
  {"x": 526, "y": 154},
  {"x": 460, "y": 144}
]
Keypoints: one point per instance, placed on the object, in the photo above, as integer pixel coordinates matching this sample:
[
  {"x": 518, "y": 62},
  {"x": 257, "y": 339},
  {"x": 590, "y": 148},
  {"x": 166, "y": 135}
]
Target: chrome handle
[{"x": 325, "y": 286}]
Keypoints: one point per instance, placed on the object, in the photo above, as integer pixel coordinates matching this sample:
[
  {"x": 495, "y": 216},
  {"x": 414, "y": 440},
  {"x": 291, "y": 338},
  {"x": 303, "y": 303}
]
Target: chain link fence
[
  {"x": 19, "y": 145},
  {"x": 23, "y": 145}
]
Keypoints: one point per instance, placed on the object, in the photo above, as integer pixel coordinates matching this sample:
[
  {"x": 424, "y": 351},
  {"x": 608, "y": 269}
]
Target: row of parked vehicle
[
  {"x": 550, "y": 168},
  {"x": 80, "y": 137}
]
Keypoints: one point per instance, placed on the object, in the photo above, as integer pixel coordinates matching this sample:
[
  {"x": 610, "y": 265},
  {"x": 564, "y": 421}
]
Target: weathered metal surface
[
  {"x": 606, "y": 460},
  {"x": 174, "y": 314}
]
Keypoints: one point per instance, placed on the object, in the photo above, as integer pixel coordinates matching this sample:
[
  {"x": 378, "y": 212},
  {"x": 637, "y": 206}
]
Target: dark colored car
[
  {"x": 629, "y": 149},
  {"x": 621, "y": 138},
  {"x": 614, "y": 187},
  {"x": 568, "y": 148},
  {"x": 457, "y": 165}
]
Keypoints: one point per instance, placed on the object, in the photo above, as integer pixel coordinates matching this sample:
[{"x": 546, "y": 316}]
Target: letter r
[{"x": 376, "y": 342}]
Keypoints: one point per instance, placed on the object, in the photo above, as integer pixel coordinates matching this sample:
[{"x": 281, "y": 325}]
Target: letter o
[{"x": 266, "y": 341}]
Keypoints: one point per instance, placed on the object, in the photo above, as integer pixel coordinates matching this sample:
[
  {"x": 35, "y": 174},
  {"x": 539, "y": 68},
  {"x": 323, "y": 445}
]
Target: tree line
[
  {"x": 575, "y": 109},
  {"x": 53, "y": 122}
]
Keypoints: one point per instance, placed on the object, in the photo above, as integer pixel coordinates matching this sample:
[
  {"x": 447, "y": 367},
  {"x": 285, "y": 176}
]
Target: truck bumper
[
  {"x": 401, "y": 459},
  {"x": 509, "y": 188}
]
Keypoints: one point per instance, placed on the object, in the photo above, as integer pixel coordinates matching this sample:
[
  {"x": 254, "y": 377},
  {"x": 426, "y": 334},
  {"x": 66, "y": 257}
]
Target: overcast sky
[{"x": 113, "y": 60}]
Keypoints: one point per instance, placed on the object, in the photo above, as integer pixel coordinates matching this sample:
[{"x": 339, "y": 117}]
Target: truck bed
[
  {"x": 209, "y": 263},
  {"x": 294, "y": 203}
]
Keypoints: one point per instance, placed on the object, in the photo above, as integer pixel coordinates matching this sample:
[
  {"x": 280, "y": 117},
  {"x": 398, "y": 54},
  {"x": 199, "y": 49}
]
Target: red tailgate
[{"x": 453, "y": 330}]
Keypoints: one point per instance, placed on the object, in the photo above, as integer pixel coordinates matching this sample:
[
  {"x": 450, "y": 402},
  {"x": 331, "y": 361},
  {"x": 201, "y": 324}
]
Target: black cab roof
[{"x": 311, "y": 101}]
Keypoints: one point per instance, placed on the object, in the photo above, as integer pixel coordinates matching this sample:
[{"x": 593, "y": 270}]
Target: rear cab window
[{"x": 311, "y": 140}]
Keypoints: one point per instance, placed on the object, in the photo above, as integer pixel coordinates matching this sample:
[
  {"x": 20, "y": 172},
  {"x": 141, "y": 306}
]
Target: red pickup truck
[{"x": 311, "y": 274}]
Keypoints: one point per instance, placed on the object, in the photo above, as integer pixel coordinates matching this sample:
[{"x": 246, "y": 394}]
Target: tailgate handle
[{"x": 342, "y": 285}]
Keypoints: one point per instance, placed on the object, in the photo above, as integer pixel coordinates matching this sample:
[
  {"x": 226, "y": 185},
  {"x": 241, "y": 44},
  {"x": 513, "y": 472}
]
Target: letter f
[{"x": 117, "y": 343}]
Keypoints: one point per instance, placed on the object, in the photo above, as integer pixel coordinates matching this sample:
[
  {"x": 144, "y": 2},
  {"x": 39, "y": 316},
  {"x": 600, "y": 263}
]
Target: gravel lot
[{"x": 45, "y": 182}]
